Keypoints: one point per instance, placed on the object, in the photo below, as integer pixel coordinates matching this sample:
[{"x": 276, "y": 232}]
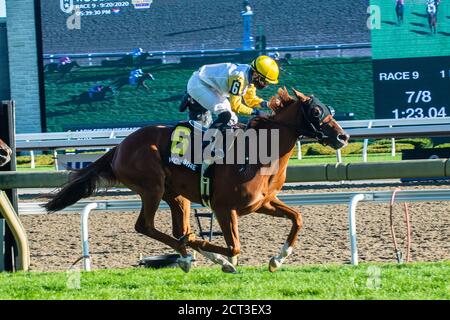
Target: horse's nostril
[{"x": 344, "y": 137}]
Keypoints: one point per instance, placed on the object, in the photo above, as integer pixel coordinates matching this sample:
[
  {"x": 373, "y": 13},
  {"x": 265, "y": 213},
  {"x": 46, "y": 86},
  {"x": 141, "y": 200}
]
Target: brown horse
[
  {"x": 138, "y": 163},
  {"x": 5, "y": 153}
]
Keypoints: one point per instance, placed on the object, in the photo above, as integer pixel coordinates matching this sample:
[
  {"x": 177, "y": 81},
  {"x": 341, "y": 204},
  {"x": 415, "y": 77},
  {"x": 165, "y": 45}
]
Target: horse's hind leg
[
  {"x": 279, "y": 209},
  {"x": 228, "y": 223},
  {"x": 145, "y": 223}
]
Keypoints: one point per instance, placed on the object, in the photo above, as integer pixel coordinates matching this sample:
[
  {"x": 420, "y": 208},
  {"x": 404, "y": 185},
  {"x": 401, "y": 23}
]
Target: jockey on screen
[
  {"x": 431, "y": 7},
  {"x": 226, "y": 88},
  {"x": 137, "y": 52},
  {"x": 135, "y": 75},
  {"x": 64, "y": 60}
]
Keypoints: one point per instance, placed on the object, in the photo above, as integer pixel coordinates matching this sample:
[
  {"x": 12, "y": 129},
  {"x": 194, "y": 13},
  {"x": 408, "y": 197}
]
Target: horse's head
[
  {"x": 308, "y": 117},
  {"x": 5, "y": 153}
]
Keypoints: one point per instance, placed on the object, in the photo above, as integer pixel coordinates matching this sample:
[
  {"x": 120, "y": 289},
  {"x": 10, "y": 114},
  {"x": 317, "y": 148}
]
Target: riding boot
[{"x": 220, "y": 124}]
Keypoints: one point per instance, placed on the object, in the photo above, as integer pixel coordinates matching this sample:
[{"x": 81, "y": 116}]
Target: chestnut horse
[
  {"x": 5, "y": 153},
  {"x": 137, "y": 162}
]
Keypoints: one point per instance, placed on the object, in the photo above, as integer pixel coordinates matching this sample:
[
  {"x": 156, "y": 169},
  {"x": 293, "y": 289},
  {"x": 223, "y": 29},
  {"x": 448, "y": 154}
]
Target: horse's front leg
[
  {"x": 228, "y": 222},
  {"x": 180, "y": 208},
  {"x": 277, "y": 208}
]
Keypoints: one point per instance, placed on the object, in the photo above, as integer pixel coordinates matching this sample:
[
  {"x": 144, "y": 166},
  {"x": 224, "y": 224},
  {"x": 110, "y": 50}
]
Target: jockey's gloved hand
[
  {"x": 259, "y": 113},
  {"x": 263, "y": 105}
]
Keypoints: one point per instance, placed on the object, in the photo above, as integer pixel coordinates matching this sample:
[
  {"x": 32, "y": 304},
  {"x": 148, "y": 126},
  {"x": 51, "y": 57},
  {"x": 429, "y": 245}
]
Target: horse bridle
[{"x": 316, "y": 114}]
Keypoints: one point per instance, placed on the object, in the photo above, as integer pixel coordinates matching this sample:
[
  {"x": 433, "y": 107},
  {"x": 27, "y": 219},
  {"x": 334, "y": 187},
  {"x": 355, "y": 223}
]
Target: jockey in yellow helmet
[{"x": 227, "y": 88}]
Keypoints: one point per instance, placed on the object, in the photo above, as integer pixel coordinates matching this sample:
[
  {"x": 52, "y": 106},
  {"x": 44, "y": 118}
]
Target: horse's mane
[
  {"x": 281, "y": 101},
  {"x": 278, "y": 104}
]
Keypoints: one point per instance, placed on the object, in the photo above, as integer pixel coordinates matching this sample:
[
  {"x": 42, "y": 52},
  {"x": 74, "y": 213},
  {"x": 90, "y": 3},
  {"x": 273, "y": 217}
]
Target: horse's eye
[{"x": 316, "y": 112}]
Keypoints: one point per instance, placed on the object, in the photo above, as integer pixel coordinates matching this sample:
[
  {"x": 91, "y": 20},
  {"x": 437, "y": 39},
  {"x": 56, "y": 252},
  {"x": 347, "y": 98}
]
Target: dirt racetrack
[{"x": 55, "y": 239}]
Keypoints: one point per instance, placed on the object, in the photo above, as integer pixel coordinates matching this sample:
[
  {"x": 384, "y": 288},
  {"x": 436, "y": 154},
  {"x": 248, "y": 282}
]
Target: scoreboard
[{"x": 412, "y": 88}]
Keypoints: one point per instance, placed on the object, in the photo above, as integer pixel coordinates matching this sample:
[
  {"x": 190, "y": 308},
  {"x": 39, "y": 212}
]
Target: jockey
[
  {"x": 137, "y": 52},
  {"x": 135, "y": 75},
  {"x": 64, "y": 60},
  {"x": 220, "y": 88},
  {"x": 275, "y": 55},
  {"x": 431, "y": 7}
]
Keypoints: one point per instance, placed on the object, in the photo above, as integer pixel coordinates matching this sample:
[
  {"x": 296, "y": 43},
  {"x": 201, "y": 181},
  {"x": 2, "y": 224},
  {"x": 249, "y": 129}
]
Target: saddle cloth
[{"x": 187, "y": 148}]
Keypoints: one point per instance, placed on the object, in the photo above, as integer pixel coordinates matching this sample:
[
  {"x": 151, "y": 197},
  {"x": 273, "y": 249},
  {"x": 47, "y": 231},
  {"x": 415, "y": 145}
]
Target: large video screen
[
  {"x": 411, "y": 58},
  {"x": 111, "y": 63}
]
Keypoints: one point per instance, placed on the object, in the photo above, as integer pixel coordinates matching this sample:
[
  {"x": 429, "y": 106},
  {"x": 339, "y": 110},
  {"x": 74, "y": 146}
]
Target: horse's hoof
[
  {"x": 233, "y": 260},
  {"x": 274, "y": 264},
  {"x": 185, "y": 263},
  {"x": 229, "y": 268}
]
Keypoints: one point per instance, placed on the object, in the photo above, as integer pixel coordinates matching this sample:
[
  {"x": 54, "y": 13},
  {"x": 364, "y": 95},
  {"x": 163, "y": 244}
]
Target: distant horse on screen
[
  {"x": 127, "y": 61},
  {"x": 140, "y": 82},
  {"x": 63, "y": 69},
  {"x": 89, "y": 97}
]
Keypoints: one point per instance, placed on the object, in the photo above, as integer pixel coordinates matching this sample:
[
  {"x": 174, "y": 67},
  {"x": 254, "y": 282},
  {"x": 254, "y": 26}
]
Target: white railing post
[
  {"x": 352, "y": 226},
  {"x": 32, "y": 160},
  {"x": 55, "y": 157},
  {"x": 338, "y": 156},
  {"x": 85, "y": 235},
  {"x": 299, "y": 150},
  {"x": 111, "y": 136},
  {"x": 392, "y": 145},
  {"x": 366, "y": 143}
]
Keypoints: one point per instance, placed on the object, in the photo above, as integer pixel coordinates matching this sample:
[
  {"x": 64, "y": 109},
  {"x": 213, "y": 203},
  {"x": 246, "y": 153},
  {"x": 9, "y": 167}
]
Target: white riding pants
[{"x": 209, "y": 98}]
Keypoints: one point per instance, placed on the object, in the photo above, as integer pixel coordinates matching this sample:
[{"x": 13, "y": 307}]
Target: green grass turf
[
  {"x": 367, "y": 281},
  {"x": 412, "y": 38},
  {"x": 344, "y": 83},
  {"x": 37, "y": 168}
]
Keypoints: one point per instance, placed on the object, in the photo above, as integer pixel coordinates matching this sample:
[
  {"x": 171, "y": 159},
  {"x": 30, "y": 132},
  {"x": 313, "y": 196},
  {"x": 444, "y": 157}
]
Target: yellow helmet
[{"x": 267, "y": 67}]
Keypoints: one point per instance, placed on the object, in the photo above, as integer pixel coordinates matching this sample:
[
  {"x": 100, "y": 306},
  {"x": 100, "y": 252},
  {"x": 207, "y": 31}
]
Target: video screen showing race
[
  {"x": 411, "y": 28},
  {"x": 411, "y": 58},
  {"x": 127, "y": 63}
]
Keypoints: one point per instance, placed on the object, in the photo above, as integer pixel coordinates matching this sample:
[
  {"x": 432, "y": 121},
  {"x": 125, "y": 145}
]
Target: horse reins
[{"x": 315, "y": 133}]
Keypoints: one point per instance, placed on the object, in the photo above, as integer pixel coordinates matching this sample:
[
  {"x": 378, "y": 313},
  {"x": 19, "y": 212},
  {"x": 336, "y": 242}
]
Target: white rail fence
[
  {"x": 352, "y": 199},
  {"x": 358, "y": 129},
  {"x": 164, "y": 54}
]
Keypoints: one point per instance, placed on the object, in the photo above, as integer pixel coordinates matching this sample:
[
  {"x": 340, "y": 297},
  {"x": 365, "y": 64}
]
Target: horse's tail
[{"x": 83, "y": 183}]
